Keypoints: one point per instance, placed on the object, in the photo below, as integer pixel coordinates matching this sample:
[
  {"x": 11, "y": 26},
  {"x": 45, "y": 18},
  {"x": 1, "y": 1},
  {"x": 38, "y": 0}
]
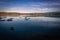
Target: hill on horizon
[{"x": 50, "y": 14}]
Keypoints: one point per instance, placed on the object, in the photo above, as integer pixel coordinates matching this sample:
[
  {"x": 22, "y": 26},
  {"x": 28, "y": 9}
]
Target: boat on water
[
  {"x": 10, "y": 19},
  {"x": 2, "y": 19},
  {"x": 26, "y": 18}
]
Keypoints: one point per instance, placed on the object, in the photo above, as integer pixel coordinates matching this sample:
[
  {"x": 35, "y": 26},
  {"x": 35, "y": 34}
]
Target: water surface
[{"x": 31, "y": 28}]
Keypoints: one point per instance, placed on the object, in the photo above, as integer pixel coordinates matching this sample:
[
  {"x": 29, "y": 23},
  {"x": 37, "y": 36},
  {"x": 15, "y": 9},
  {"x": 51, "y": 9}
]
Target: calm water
[{"x": 33, "y": 27}]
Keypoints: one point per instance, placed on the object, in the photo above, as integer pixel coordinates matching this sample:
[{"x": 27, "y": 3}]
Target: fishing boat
[
  {"x": 26, "y": 18},
  {"x": 2, "y": 19},
  {"x": 9, "y": 19}
]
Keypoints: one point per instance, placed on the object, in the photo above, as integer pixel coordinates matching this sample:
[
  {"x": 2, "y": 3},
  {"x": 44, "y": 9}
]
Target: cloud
[
  {"x": 43, "y": 3},
  {"x": 31, "y": 10},
  {"x": 38, "y": 7}
]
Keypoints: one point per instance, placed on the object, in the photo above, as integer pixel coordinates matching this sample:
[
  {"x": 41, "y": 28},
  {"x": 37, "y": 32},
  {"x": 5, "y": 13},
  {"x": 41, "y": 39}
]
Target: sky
[{"x": 30, "y": 6}]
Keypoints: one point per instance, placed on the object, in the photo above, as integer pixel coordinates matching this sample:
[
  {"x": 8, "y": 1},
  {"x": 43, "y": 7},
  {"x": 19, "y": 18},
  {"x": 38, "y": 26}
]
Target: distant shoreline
[{"x": 14, "y": 14}]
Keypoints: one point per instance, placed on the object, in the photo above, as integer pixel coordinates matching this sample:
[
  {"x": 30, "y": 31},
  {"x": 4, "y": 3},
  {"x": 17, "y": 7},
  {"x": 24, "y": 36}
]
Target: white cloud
[{"x": 31, "y": 10}]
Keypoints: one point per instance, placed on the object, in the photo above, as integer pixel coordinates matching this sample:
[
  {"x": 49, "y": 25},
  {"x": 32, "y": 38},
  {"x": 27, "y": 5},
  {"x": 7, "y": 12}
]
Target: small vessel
[
  {"x": 27, "y": 18},
  {"x": 10, "y": 19},
  {"x": 2, "y": 19}
]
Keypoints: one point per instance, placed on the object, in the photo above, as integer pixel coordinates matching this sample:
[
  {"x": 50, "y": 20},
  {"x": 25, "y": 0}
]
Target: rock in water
[{"x": 11, "y": 28}]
